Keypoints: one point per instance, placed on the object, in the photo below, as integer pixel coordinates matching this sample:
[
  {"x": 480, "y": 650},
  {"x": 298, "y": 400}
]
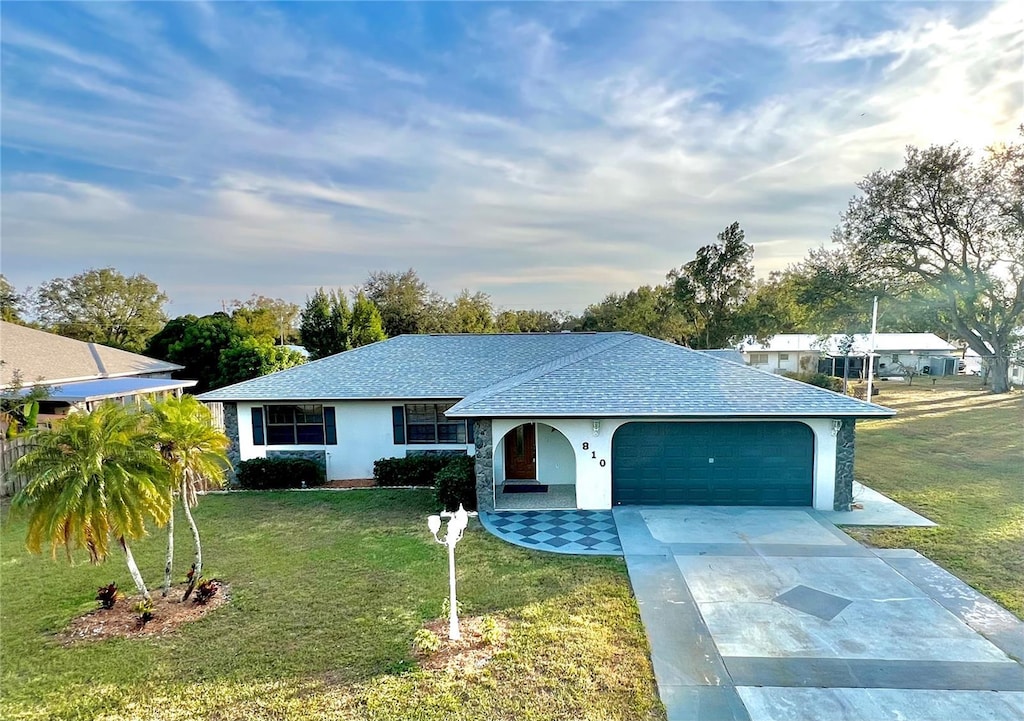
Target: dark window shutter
[
  {"x": 398, "y": 423},
  {"x": 257, "y": 427},
  {"x": 470, "y": 438},
  {"x": 330, "y": 426}
]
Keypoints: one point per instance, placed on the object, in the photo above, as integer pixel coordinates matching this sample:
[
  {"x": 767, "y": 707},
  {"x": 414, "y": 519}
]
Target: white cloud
[{"x": 604, "y": 177}]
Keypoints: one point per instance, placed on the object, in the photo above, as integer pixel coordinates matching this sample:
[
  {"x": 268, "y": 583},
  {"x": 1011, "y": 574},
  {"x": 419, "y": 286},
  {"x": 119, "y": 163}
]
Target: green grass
[
  {"x": 955, "y": 454},
  {"x": 327, "y": 592}
]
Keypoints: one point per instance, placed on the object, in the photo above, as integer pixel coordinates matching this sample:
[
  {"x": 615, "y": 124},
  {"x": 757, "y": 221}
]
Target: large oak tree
[
  {"x": 103, "y": 306},
  {"x": 947, "y": 229}
]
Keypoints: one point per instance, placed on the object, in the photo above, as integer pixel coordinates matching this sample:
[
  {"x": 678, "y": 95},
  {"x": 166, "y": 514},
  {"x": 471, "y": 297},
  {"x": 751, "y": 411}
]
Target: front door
[{"x": 521, "y": 453}]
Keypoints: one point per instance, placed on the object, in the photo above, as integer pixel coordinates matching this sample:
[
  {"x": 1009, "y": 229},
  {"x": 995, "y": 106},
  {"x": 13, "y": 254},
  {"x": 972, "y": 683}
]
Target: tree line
[{"x": 940, "y": 241}]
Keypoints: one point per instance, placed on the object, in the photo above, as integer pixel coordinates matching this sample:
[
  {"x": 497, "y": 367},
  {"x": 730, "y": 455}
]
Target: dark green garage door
[{"x": 718, "y": 464}]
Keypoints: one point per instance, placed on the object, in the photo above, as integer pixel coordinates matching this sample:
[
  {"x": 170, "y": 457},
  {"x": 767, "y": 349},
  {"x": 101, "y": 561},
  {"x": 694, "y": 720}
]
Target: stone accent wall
[
  {"x": 844, "y": 465},
  {"x": 231, "y": 431},
  {"x": 484, "y": 464}
]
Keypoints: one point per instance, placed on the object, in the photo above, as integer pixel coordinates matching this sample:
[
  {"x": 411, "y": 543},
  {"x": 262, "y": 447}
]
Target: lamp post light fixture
[{"x": 456, "y": 525}]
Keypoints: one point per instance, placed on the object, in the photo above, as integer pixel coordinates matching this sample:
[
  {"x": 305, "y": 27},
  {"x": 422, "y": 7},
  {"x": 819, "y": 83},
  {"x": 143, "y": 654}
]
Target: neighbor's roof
[
  {"x": 884, "y": 342},
  {"x": 46, "y": 357},
  {"x": 104, "y": 388},
  {"x": 558, "y": 374}
]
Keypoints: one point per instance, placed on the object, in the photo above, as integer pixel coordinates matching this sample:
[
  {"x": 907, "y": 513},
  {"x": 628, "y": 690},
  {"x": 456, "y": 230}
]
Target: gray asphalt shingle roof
[
  {"x": 411, "y": 366},
  {"x": 41, "y": 357},
  {"x": 641, "y": 376},
  {"x": 557, "y": 374}
]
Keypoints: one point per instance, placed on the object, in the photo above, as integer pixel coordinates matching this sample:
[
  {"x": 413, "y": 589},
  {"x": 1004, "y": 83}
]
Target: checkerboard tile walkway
[{"x": 588, "y": 533}]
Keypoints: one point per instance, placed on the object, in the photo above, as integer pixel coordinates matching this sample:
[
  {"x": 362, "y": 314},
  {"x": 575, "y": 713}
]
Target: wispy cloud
[{"x": 279, "y": 148}]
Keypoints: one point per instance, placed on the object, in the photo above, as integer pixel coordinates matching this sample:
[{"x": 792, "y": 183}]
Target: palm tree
[
  {"x": 96, "y": 477},
  {"x": 195, "y": 454}
]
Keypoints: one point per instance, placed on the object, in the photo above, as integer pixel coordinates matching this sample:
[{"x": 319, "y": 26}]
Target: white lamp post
[{"x": 456, "y": 525}]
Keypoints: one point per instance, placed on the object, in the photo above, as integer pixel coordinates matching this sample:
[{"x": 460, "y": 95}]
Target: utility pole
[{"x": 871, "y": 353}]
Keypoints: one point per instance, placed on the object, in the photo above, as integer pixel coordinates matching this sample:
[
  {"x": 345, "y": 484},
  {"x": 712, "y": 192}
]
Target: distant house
[
  {"x": 803, "y": 352},
  {"x": 79, "y": 374}
]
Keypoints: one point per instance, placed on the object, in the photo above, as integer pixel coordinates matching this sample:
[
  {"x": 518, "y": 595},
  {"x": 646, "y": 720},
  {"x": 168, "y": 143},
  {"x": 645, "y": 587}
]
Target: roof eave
[
  {"x": 211, "y": 396},
  {"x": 469, "y": 413}
]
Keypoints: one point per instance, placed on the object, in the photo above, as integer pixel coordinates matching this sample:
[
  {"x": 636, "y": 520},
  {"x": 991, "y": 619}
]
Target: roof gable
[
  {"x": 413, "y": 366},
  {"x": 646, "y": 377}
]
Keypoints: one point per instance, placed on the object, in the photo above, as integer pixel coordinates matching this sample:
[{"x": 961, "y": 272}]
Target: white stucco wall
[
  {"x": 556, "y": 461},
  {"x": 791, "y": 363},
  {"x": 594, "y": 480},
  {"x": 364, "y": 435}
]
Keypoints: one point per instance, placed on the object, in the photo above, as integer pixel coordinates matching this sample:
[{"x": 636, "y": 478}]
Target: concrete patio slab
[
  {"x": 755, "y": 526},
  {"x": 878, "y": 510},
  {"x": 735, "y": 580},
  {"x": 908, "y": 630},
  {"x": 740, "y": 613},
  {"x": 858, "y": 704},
  {"x": 976, "y": 610}
]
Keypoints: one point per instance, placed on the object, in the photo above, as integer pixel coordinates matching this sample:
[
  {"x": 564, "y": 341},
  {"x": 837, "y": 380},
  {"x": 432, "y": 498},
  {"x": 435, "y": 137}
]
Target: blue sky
[{"x": 547, "y": 154}]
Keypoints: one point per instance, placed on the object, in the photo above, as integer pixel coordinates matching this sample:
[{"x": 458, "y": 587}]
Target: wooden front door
[{"x": 521, "y": 453}]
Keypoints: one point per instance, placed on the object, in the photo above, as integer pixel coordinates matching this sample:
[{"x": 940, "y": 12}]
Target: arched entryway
[{"x": 534, "y": 468}]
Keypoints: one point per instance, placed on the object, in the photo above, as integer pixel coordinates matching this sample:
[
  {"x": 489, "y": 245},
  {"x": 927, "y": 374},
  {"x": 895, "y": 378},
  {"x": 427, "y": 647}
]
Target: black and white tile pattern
[{"x": 572, "y": 532}]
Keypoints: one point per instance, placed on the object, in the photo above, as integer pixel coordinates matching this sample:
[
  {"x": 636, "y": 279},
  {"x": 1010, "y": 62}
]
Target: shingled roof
[
  {"x": 550, "y": 374},
  {"x": 45, "y": 357}
]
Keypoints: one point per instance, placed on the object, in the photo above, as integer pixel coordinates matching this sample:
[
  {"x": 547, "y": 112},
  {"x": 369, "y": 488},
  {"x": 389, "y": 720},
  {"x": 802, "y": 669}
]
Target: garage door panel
[{"x": 729, "y": 463}]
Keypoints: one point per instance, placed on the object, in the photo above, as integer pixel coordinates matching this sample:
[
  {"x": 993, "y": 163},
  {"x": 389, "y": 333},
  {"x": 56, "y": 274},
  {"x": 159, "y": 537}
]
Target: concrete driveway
[{"x": 772, "y": 614}]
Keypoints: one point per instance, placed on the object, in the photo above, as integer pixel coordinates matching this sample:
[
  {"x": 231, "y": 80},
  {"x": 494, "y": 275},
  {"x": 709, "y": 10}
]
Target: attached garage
[{"x": 757, "y": 463}]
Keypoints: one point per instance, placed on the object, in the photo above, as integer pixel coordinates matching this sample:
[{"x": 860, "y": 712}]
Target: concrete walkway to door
[{"x": 773, "y": 614}]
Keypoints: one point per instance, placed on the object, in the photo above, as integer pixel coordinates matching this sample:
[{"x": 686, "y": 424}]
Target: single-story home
[
  {"x": 79, "y": 374},
  {"x": 560, "y": 420},
  {"x": 803, "y": 352}
]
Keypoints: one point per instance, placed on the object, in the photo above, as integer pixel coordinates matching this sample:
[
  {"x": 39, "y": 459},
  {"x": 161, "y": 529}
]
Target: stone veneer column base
[
  {"x": 484, "y": 461},
  {"x": 844, "y": 465},
  {"x": 234, "y": 454}
]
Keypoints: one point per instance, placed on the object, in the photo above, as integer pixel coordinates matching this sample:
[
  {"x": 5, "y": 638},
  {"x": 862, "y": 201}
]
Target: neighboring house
[
  {"x": 801, "y": 352},
  {"x": 79, "y": 374},
  {"x": 588, "y": 420},
  {"x": 729, "y": 354}
]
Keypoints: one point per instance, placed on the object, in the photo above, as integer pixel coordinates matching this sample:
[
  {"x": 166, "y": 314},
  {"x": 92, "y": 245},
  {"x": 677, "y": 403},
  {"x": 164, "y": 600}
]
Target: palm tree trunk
[
  {"x": 170, "y": 554},
  {"x": 197, "y": 567},
  {"x": 133, "y": 569}
]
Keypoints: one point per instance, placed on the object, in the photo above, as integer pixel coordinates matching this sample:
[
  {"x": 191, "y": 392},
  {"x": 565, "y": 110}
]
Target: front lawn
[
  {"x": 955, "y": 454},
  {"x": 327, "y": 591}
]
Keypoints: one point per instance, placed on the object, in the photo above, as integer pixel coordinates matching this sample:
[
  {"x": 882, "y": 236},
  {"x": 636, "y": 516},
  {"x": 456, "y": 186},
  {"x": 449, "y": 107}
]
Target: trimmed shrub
[
  {"x": 261, "y": 474},
  {"x": 456, "y": 483},
  {"x": 821, "y": 380},
  {"x": 415, "y": 470}
]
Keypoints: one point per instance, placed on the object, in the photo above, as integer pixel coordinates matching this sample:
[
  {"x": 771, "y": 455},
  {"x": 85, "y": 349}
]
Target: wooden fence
[{"x": 10, "y": 451}]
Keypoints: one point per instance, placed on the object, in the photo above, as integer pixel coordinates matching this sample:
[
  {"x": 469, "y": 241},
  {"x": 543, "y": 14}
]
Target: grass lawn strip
[
  {"x": 955, "y": 454},
  {"x": 327, "y": 592}
]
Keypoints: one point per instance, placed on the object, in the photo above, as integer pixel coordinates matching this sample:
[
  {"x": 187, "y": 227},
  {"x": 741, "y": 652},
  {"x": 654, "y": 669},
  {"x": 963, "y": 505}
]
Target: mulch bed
[
  {"x": 354, "y": 483},
  {"x": 122, "y": 621},
  {"x": 467, "y": 655}
]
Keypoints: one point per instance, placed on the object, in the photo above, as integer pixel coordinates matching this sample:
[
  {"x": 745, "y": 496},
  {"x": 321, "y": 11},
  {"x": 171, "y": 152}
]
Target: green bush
[
  {"x": 821, "y": 380},
  {"x": 456, "y": 483},
  {"x": 426, "y": 641},
  {"x": 268, "y": 473},
  {"x": 415, "y": 470}
]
